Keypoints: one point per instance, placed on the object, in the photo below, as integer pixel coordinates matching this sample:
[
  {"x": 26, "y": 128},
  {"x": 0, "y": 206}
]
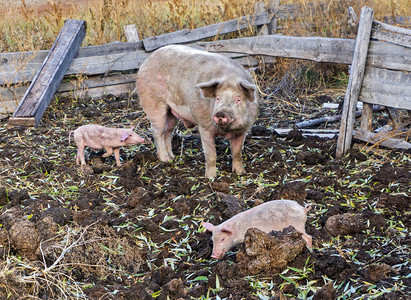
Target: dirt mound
[{"x": 263, "y": 253}]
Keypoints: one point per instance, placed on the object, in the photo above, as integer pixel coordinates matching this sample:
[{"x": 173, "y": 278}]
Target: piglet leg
[
  {"x": 109, "y": 151},
  {"x": 80, "y": 153},
  {"x": 117, "y": 156}
]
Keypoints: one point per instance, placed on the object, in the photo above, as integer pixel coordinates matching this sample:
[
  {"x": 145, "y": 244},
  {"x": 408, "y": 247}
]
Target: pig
[
  {"x": 273, "y": 215},
  {"x": 100, "y": 137},
  {"x": 199, "y": 88}
]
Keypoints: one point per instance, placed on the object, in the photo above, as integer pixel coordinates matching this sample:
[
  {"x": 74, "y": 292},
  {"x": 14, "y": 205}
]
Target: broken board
[{"x": 44, "y": 85}]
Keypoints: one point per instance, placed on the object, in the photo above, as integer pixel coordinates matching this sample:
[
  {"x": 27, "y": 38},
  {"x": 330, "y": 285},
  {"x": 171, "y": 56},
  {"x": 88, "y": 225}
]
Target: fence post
[
  {"x": 272, "y": 10},
  {"x": 355, "y": 82},
  {"x": 259, "y": 8},
  {"x": 131, "y": 33}
]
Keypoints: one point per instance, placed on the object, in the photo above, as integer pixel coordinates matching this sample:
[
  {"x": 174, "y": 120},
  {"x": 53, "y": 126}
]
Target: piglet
[
  {"x": 273, "y": 215},
  {"x": 100, "y": 137}
]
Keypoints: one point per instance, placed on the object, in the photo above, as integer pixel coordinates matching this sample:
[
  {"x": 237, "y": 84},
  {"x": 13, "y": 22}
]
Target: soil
[{"x": 134, "y": 232}]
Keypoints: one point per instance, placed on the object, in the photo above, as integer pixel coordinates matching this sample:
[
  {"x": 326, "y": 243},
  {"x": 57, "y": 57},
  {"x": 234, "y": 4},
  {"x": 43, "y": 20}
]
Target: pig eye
[
  {"x": 237, "y": 100},
  {"x": 217, "y": 98}
]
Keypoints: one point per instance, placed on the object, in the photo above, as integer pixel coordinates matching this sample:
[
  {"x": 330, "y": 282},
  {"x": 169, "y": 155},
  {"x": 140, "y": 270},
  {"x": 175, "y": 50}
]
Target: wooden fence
[
  {"x": 386, "y": 78},
  {"x": 111, "y": 68}
]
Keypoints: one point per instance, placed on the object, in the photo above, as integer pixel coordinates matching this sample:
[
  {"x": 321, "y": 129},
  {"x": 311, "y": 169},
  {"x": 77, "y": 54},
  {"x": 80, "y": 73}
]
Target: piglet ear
[
  {"x": 124, "y": 135},
  {"x": 226, "y": 230},
  {"x": 208, "y": 226}
]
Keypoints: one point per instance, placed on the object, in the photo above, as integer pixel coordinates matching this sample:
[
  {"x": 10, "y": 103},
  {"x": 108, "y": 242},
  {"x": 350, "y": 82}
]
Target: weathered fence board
[
  {"x": 47, "y": 80},
  {"x": 131, "y": 33},
  {"x": 191, "y": 35},
  {"x": 380, "y": 54},
  {"x": 355, "y": 82},
  {"x": 385, "y": 139},
  {"x": 386, "y": 87}
]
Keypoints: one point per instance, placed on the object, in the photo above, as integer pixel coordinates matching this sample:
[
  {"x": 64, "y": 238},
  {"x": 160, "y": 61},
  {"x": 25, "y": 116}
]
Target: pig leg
[
  {"x": 168, "y": 133},
  {"x": 236, "y": 145},
  {"x": 208, "y": 142},
  {"x": 80, "y": 153},
  {"x": 308, "y": 239},
  {"x": 109, "y": 151},
  {"x": 158, "y": 118},
  {"x": 117, "y": 156}
]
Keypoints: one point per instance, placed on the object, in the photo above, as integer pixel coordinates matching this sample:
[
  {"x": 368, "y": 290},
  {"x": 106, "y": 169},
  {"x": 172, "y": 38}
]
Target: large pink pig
[
  {"x": 199, "y": 88},
  {"x": 273, "y": 215}
]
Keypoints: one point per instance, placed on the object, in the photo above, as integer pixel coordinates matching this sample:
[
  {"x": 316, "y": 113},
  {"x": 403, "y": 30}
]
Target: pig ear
[
  {"x": 226, "y": 230},
  {"x": 132, "y": 128},
  {"x": 249, "y": 89},
  {"x": 208, "y": 226},
  {"x": 124, "y": 135},
  {"x": 208, "y": 89}
]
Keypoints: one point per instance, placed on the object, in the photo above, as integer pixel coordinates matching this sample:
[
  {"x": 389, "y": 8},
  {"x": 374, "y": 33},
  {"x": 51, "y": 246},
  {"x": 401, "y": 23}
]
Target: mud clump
[
  {"x": 376, "y": 272},
  {"x": 269, "y": 253},
  {"x": 25, "y": 238},
  {"x": 294, "y": 190},
  {"x": 327, "y": 292},
  {"x": 344, "y": 224}
]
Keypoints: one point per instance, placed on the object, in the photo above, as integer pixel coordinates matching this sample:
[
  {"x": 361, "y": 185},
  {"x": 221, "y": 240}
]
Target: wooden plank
[
  {"x": 273, "y": 11},
  {"x": 336, "y": 105},
  {"x": 387, "y": 87},
  {"x": 380, "y": 54},
  {"x": 47, "y": 80},
  {"x": 355, "y": 81},
  {"x": 8, "y": 106},
  {"x": 366, "y": 117},
  {"x": 259, "y": 8},
  {"x": 93, "y": 87},
  {"x": 22, "y": 66},
  {"x": 191, "y": 35},
  {"x": 310, "y": 48},
  {"x": 385, "y": 139},
  {"x": 22, "y": 121},
  {"x": 399, "y": 39},
  {"x": 322, "y": 133},
  {"x": 387, "y": 27}
]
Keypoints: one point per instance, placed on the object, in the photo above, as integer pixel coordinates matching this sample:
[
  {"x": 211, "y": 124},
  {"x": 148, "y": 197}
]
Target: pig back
[
  {"x": 174, "y": 71},
  {"x": 272, "y": 215}
]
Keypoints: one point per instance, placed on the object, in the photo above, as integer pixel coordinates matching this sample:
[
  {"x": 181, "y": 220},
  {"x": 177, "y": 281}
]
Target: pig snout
[
  {"x": 222, "y": 118},
  {"x": 140, "y": 139},
  {"x": 216, "y": 256}
]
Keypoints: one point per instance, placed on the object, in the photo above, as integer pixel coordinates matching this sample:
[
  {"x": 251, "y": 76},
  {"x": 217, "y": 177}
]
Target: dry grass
[{"x": 32, "y": 27}]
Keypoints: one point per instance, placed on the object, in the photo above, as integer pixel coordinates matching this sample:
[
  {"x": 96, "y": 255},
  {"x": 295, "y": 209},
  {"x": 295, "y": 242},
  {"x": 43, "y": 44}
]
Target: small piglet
[
  {"x": 273, "y": 215},
  {"x": 100, "y": 137}
]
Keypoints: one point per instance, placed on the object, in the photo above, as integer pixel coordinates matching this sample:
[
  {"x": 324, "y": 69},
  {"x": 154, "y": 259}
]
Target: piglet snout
[
  {"x": 217, "y": 255},
  {"x": 222, "y": 118}
]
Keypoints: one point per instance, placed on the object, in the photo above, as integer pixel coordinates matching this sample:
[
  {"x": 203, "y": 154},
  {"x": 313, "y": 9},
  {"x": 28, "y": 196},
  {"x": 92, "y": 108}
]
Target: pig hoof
[
  {"x": 240, "y": 172},
  {"x": 164, "y": 158}
]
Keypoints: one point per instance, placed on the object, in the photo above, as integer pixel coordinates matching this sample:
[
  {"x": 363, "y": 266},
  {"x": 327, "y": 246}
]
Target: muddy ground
[{"x": 134, "y": 232}]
